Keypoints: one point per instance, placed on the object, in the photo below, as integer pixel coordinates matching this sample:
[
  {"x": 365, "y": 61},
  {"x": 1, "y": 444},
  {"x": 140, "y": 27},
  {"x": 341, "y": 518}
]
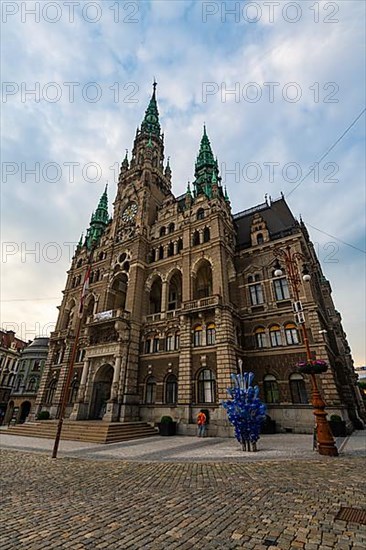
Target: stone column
[
  {"x": 84, "y": 376},
  {"x": 112, "y": 410},
  {"x": 80, "y": 409},
  {"x": 183, "y": 409},
  {"x": 116, "y": 375},
  {"x": 164, "y": 296}
]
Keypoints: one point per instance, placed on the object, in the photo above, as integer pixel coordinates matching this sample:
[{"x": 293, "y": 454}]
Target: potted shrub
[
  {"x": 167, "y": 426},
  {"x": 268, "y": 426},
  {"x": 43, "y": 415},
  {"x": 337, "y": 426}
]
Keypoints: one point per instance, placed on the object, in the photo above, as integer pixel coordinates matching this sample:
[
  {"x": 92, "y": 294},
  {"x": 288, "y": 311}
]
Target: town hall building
[{"x": 180, "y": 290}]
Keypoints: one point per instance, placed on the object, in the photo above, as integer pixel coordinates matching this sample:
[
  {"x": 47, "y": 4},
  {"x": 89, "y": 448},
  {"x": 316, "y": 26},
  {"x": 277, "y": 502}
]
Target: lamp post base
[{"x": 326, "y": 444}]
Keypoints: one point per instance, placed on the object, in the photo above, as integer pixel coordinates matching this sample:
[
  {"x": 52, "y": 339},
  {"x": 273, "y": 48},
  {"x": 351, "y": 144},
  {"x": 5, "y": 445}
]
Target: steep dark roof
[{"x": 277, "y": 215}]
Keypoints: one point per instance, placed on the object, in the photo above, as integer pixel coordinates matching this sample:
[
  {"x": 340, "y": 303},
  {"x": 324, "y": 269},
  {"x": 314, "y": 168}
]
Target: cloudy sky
[{"x": 280, "y": 86}]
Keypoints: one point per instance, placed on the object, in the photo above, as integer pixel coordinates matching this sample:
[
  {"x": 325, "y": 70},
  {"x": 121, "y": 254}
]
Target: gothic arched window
[
  {"x": 292, "y": 335},
  {"x": 211, "y": 334},
  {"x": 275, "y": 335},
  {"x": 206, "y": 235},
  {"x": 197, "y": 336}
]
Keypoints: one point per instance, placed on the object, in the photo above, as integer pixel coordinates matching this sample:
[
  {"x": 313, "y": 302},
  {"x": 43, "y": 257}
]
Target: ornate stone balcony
[
  {"x": 202, "y": 303},
  {"x": 163, "y": 315},
  {"x": 105, "y": 326},
  {"x": 106, "y": 316},
  {"x": 153, "y": 317}
]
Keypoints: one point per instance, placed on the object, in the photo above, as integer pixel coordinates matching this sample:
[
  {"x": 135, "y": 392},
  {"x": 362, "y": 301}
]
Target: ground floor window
[
  {"x": 150, "y": 390},
  {"x": 171, "y": 389},
  {"x": 270, "y": 389},
  {"x": 206, "y": 387},
  {"x": 298, "y": 389}
]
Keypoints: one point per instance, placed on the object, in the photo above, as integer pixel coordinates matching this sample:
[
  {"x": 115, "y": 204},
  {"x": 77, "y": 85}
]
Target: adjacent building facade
[
  {"x": 180, "y": 288},
  {"x": 26, "y": 382},
  {"x": 10, "y": 352}
]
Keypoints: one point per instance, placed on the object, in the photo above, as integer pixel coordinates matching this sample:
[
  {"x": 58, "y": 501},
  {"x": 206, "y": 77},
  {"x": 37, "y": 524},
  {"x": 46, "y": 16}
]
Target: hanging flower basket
[{"x": 312, "y": 367}]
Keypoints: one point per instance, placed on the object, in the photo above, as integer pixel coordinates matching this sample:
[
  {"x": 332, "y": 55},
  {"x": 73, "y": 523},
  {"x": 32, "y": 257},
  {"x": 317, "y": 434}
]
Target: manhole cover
[{"x": 354, "y": 515}]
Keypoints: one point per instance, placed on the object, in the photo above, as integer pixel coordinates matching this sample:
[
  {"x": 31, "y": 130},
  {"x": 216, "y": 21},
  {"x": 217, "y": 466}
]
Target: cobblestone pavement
[
  {"x": 76, "y": 504},
  {"x": 182, "y": 448}
]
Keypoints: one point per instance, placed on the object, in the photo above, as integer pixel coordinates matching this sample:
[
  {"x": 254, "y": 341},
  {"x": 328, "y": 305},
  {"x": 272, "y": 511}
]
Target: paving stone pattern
[{"x": 76, "y": 504}]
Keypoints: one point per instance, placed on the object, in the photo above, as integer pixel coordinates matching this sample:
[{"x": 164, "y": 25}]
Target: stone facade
[{"x": 179, "y": 290}]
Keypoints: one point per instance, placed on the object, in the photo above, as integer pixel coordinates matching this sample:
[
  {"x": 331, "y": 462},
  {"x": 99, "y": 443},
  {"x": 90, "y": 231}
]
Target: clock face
[{"x": 129, "y": 213}]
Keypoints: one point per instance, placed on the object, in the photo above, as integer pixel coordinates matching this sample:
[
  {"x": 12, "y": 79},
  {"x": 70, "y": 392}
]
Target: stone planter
[
  {"x": 338, "y": 428},
  {"x": 312, "y": 368},
  {"x": 167, "y": 428}
]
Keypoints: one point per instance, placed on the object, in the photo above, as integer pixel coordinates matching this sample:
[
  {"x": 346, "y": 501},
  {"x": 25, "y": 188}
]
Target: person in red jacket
[{"x": 201, "y": 423}]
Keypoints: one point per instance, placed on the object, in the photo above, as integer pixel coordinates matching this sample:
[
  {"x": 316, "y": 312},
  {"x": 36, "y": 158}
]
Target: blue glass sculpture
[{"x": 245, "y": 410}]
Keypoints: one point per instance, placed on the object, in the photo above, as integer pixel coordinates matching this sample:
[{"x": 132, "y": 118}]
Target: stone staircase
[{"x": 86, "y": 431}]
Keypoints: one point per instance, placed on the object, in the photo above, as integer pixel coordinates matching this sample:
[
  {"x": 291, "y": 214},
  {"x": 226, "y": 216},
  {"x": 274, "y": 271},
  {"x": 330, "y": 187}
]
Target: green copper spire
[
  {"x": 80, "y": 243},
  {"x": 99, "y": 221},
  {"x": 101, "y": 213},
  {"x": 151, "y": 124},
  {"x": 205, "y": 166},
  {"x": 205, "y": 155},
  {"x": 149, "y": 143}
]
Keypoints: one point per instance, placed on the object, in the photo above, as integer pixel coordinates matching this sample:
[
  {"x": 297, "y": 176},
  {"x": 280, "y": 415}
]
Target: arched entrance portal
[
  {"x": 25, "y": 408},
  {"x": 101, "y": 392}
]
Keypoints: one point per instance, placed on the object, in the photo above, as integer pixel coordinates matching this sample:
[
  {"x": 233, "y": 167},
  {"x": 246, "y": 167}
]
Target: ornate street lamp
[{"x": 326, "y": 444}]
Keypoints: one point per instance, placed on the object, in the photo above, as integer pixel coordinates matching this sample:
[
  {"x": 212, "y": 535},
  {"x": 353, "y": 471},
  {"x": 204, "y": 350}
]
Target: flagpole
[{"x": 66, "y": 386}]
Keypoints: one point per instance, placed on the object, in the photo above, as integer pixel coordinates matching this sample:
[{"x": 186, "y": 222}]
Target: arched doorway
[
  {"x": 101, "y": 392},
  {"x": 25, "y": 408}
]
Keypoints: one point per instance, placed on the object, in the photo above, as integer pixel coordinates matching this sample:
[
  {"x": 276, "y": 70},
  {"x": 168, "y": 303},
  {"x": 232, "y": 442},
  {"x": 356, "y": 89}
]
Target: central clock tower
[{"x": 144, "y": 183}]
